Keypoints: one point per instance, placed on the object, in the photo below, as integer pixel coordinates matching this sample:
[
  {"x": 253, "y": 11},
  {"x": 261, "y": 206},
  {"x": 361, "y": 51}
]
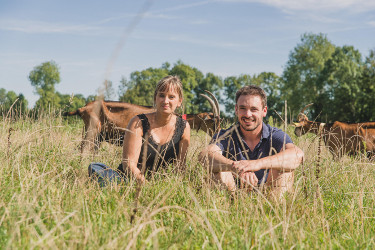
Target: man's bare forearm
[{"x": 287, "y": 160}]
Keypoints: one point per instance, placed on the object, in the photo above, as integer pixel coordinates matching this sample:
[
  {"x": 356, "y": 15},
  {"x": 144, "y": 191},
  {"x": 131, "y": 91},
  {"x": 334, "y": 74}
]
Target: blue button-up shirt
[{"x": 235, "y": 148}]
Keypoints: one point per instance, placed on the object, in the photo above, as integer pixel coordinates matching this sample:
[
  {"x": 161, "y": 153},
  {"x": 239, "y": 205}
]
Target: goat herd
[{"x": 107, "y": 121}]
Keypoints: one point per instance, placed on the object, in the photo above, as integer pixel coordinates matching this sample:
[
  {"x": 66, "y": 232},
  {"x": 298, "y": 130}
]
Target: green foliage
[
  {"x": 336, "y": 79},
  {"x": 367, "y": 87},
  {"x": 48, "y": 200},
  {"x": 301, "y": 78},
  {"x": 44, "y": 78},
  {"x": 231, "y": 85},
  {"x": 10, "y": 99},
  {"x": 141, "y": 86},
  {"x": 271, "y": 84},
  {"x": 211, "y": 83},
  {"x": 91, "y": 98},
  {"x": 47, "y": 100},
  {"x": 269, "y": 81},
  {"x": 341, "y": 78},
  {"x": 71, "y": 102},
  {"x": 191, "y": 78}
]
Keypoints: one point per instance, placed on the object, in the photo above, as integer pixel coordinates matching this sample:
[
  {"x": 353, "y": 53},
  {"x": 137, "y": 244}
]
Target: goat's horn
[
  {"x": 215, "y": 100},
  {"x": 214, "y": 110},
  {"x": 308, "y": 105}
]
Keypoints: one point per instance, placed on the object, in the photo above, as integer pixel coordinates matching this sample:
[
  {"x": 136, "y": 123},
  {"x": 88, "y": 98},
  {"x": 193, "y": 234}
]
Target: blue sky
[{"x": 96, "y": 40}]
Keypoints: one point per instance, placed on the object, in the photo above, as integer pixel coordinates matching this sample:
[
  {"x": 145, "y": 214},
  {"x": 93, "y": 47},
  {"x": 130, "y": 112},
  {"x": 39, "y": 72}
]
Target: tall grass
[{"x": 47, "y": 199}]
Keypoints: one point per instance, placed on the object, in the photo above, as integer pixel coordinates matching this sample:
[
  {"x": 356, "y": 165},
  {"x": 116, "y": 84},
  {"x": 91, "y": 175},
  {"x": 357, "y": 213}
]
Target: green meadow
[{"x": 47, "y": 199}]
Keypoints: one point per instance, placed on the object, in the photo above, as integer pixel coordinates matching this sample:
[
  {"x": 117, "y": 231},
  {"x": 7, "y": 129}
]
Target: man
[{"x": 251, "y": 151}]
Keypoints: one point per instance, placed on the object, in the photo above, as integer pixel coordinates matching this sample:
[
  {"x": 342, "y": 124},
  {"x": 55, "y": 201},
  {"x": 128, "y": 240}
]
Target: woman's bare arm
[
  {"x": 184, "y": 145},
  {"x": 132, "y": 148}
]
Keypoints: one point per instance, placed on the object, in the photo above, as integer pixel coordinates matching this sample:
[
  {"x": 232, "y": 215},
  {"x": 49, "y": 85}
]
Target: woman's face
[{"x": 168, "y": 101}]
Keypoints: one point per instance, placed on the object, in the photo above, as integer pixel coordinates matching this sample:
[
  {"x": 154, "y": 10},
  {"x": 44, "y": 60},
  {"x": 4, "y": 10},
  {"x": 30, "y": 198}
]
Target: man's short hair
[{"x": 252, "y": 90}]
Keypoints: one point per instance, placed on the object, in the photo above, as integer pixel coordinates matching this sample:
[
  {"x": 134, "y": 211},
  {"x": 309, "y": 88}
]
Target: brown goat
[
  {"x": 107, "y": 120},
  {"x": 340, "y": 137}
]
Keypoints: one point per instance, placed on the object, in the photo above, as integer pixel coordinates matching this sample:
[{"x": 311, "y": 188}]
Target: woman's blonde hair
[{"x": 168, "y": 82}]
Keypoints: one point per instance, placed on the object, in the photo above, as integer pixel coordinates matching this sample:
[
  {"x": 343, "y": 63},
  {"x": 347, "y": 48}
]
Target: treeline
[{"x": 338, "y": 80}]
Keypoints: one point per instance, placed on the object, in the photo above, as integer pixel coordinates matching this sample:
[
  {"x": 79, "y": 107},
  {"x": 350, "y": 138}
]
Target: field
[{"x": 48, "y": 201}]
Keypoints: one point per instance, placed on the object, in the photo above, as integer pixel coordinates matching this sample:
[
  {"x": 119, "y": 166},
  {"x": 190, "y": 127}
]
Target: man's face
[{"x": 250, "y": 112}]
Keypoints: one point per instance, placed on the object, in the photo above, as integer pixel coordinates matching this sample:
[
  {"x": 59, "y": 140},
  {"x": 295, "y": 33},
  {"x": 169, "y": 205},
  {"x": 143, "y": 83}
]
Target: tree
[
  {"x": 71, "y": 102},
  {"x": 21, "y": 104},
  {"x": 341, "y": 79},
  {"x": 271, "y": 84},
  {"x": 91, "y": 98},
  {"x": 367, "y": 83},
  {"x": 141, "y": 86},
  {"x": 211, "y": 83},
  {"x": 10, "y": 99},
  {"x": 268, "y": 81},
  {"x": 190, "y": 78},
  {"x": 7, "y": 99},
  {"x": 231, "y": 85},
  {"x": 301, "y": 79},
  {"x": 44, "y": 78}
]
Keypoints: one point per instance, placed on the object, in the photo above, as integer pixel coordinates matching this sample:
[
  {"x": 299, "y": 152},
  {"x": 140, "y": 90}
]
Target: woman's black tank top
[{"x": 159, "y": 155}]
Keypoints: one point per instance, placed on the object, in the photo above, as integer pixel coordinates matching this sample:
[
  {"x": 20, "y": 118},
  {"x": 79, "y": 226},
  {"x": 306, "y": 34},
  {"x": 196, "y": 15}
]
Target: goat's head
[{"x": 303, "y": 125}]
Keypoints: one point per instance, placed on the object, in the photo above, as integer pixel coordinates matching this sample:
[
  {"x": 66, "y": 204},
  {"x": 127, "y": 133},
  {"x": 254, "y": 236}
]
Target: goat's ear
[{"x": 206, "y": 117}]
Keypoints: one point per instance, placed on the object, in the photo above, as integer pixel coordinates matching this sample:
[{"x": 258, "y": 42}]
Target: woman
[{"x": 153, "y": 140}]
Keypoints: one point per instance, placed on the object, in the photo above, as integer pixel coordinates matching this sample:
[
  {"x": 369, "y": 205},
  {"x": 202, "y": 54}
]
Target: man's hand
[
  {"x": 248, "y": 180},
  {"x": 244, "y": 166}
]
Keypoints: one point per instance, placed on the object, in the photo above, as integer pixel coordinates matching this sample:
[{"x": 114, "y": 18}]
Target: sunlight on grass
[{"x": 48, "y": 200}]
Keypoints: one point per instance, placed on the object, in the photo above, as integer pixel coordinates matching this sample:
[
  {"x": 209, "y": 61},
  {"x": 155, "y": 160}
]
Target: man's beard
[{"x": 250, "y": 128}]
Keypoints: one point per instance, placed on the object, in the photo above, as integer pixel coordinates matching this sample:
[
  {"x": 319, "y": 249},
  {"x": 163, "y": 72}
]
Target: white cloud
[
  {"x": 94, "y": 28},
  {"x": 315, "y": 17},
  {"x": 186, "y": 39},
  {"x": 209, "y": 43},
  {"x": 315, "y": 5},
  {"x": 149, "y": 15},
  {"x": 185, "y": 6},
  {"x": 324, "y": 5},
  {"x": 39, "y": 27}
]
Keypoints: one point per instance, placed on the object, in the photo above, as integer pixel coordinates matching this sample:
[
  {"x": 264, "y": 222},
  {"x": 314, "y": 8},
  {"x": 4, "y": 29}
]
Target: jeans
[{"x": 104, "y": 174}]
